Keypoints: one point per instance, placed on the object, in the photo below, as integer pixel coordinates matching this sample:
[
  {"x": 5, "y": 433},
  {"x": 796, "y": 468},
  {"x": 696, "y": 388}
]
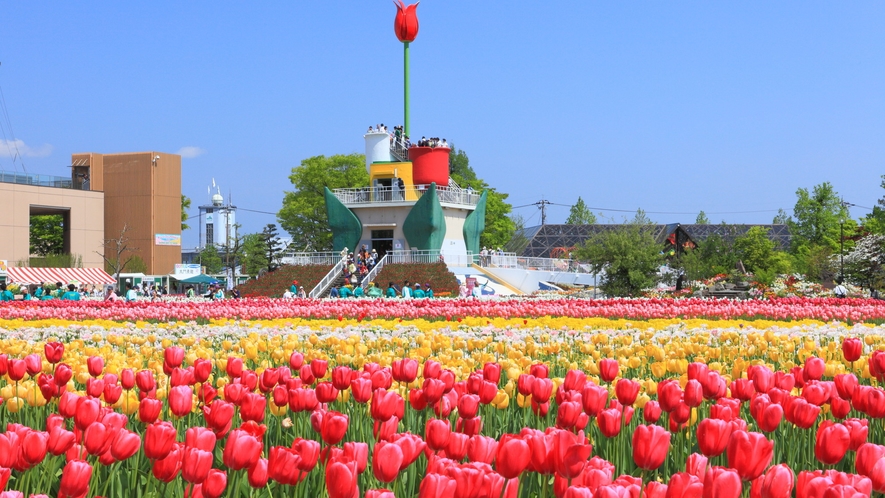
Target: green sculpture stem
[{"x": 406, "y": 88}]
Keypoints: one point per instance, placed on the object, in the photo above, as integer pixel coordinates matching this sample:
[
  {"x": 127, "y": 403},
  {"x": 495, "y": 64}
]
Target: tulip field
[{"x": 444, "y": 398}]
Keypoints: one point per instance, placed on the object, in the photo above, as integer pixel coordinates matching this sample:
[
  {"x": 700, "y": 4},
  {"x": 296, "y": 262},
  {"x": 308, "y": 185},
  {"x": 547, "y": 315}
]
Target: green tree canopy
[
  {"x": 628, "y": 256},
  {"x": 874, "y": 222},
  {"x": 47, "y": 234},
  {"x": 816, "y": 217},
  {"x": 210, "y": 259},
  {"x": 185, "y": 205},
  {"x": 579, "y": 214},
  {"x": 702, "y": 219},
  {"x": 254, "y": 255},
  {"x": 499, "y": 226},
  {"x": 303, "y": 214}
]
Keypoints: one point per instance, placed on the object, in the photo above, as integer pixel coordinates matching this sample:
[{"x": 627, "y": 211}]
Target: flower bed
[
  {"x": 275, "y": 283},
  {"x": 826, "y": 309},
  {"x": 517, "y": 407}
]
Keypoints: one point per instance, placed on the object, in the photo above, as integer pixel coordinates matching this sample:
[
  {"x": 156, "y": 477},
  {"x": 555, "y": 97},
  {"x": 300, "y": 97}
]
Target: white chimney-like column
[{"x": 377, "y": 148}]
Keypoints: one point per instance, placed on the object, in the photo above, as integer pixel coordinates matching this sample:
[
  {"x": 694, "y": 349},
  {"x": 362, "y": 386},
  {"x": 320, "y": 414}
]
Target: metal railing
[
  {"x": 373, "y": 272},
  {"x": 330, "y": 277},
  {"x": 310, "y": 258},
  {"x": 416, "y": 256},
  {"x": 399, "y": 149},
  {"x": 40, "y": 180},
  {"x": 369, "y": 195}
]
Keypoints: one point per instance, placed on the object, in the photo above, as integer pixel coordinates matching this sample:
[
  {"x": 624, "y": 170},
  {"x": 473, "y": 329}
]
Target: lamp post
[{"x": 842, "y": 247}]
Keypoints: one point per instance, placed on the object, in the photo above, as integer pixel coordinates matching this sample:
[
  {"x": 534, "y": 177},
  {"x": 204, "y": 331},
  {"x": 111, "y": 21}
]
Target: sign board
[
  {"x": 188, "y": 270},
  {"x": 3, "y": 265},
  {"x": 167, "y": 239},
  {"x": 209, "y": 218}
]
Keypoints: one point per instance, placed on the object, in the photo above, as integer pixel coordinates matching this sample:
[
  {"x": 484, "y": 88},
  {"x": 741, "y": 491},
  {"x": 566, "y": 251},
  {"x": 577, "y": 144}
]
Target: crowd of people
[
  {"x": 406, "y": 291},
  {"x": 402, "y": 141}
]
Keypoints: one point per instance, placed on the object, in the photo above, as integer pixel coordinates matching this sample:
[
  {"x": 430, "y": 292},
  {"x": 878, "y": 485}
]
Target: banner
[
  {"x": 3, "y": 265},
  {"x": 167, "y": 239},
  {"x": 188, "y": 270}
]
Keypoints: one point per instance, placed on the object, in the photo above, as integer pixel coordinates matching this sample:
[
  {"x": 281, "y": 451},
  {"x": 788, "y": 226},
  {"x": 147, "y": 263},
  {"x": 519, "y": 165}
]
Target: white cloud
[
  {"x": 190, "y": 152},
  {"x": 9, "y": 148}
]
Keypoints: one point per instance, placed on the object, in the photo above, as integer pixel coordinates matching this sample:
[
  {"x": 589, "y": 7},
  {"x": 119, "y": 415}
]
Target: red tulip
[
  {"x": 626, "y": 390},
  {"x": 17, "y": 370},
  {"x": 437, "y": 486},
  {"x": 720, "y": 482},
  {"x": 202, "y": 370},
  {"x": 149, "y": 410},
  {"x": 95, "y": 364},
  {"x": 341, "y": 480},
  {"x": 241, "y": 451},
  {"x": 859, "y": 430},
  {"x": 60, "y": 441},
  {"x": 594, "y": 398},
  {"x": 609, "y": 422},
  {"x": 608, "y": 369},
  {"x": 542, "y": 389},
  {"x": 696, "y": 465},
  {"x": 852, "y": 348},
  {"x": 125, "y": 444},
  {"x": 127, "y": 378},
  {"x": 200, "y": 437},
  {"x": 62, "y": 374},
  {"x": 845, "y": 385},
  {"x": 173, "y": 356},
  {"x": 405, "y": 25},
  {"x": 213, "y": 486},
  {"x": 437, "y": 433},
  {"x": 871, "y": 463},
  {"x": 341, "y": 377},
  {"x": 253, "y": 407},
  {"x": 713, "y": 436},
  {"x": 749, "y": 453},
  {"x": 832, "y": 442},
  {"x": 386, "y": 461},
  {"x": 405, "y": 370},
  {"x": 684, "y": 485},
  {"x": 53, "y": 351},
  {"x": 234, "y": 367},
  {"x": 778, "y": 482},
  {"x": 145, "y": 381},
  {"x": 181, "y": 400},
  {"x": 384, "y": 404},
  {"x": 75, "y": 479},
  {"x": 88, "y": 410},
  {"x": 34, "y": 446},
  {"x": 166, "y": 469},
  {"x": 257, "y": 474},
  {"x": 650, "y": 446},
  {"x": 159, "y": 439},
  {"x": 333, "y": 428},
  {"x": 814, "y": 368},
  {"x": 195, "y": 465}
]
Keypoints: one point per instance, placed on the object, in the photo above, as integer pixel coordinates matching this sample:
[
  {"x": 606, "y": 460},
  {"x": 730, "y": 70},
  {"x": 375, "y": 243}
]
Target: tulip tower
[{"x": 405, "y": 25}]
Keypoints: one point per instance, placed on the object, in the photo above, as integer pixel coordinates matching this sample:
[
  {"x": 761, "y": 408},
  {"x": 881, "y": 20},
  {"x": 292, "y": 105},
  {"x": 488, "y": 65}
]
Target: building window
[{"x": 210, "y": 235}]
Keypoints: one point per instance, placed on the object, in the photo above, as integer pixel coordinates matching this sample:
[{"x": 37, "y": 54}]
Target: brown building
[
  {"x": 27, "y": 195},
  {"x": 142, "y": 192}
]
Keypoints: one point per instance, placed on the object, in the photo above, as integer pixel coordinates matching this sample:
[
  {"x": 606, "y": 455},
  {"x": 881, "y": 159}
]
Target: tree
[
  {"x": 817, "y": 216},
  {"x": 782, "y": 218},
  {"x": 273, "y": 246},
  {"x": 865, "y": 264},
  {"x": 629, "y": 256},
  {"x": 254, "y": 257},
  {"x": 874, "y": 222},
  {"x": 122, "y": 253},
  {"x": 579, "y": 214},
  {"x": 713, "y": 256},
  {"x": 499, "y": 226},
  {"x": 185, "y": 205},
  {"x": 303, "y": 214},
  {"x": 210, "y": 259},
  {"x": 759, "y": 256},
  {"x": 47, "y": 234},
  {"x": 702, "y": 219}
]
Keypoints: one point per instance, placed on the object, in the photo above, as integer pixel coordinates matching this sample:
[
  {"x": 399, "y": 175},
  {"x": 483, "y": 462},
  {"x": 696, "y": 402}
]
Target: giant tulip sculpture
[{"x": 405, "y": 25}]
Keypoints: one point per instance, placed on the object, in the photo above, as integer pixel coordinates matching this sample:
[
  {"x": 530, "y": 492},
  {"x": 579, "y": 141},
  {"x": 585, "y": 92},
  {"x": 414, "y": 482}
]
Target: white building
[{"x": 217, "y": 222}]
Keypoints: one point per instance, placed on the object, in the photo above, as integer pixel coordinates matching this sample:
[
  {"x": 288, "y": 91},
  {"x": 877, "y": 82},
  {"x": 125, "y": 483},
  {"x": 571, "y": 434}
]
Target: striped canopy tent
[{"x": 25, "y": 275}]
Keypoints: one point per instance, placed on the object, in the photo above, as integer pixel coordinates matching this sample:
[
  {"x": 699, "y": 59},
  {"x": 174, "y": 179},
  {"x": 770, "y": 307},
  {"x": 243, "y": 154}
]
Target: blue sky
[{"x": 673, "y": 107}]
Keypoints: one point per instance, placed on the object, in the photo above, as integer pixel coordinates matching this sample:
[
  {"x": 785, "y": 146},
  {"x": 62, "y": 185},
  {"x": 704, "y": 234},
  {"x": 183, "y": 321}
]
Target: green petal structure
[
  {"x": 346, "y": 227},
  {"x": 425, "y": 225},
  {"x": 475, "y": 223}
]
